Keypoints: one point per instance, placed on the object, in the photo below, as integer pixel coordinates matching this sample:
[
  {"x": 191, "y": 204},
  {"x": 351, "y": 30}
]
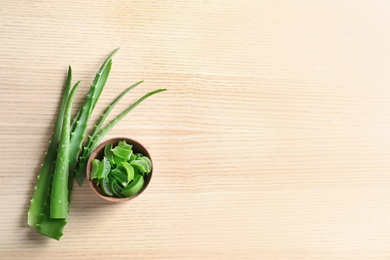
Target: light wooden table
[{"x": 272, "y": 141}]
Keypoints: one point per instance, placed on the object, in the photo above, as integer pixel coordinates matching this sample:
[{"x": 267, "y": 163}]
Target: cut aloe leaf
[
  {"x": 148, "y": 163},
  {"x": 115, "y": 187},
  {"x": 120, "y": 176},
  {"x": 140, "y": 165},
  {"x": 134, "y": 187},
  {"x": 118, "y": 160},
  {"x": 123, "y": 153},
  {"x": 104, "y": 168},
  {"x": 133, "y": 157},
  {"x": 95, "y": 163},
  {"x": 124, "y": 145},
  {"x": 129, "y": 171},
  {"x": 108, "y": 153},
  {"x": 105, "y": 185}
]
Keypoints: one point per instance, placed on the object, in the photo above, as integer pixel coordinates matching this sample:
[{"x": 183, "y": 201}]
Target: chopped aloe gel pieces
[
  {"x": 133, "y": 157},
  {"x": 121, "y": 171}
]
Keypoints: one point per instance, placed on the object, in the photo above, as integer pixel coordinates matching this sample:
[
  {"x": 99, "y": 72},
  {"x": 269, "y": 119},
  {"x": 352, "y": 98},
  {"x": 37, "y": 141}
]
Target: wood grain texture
[{"x": 272, "y": 141}]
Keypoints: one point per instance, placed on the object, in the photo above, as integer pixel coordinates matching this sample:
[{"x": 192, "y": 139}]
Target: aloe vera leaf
[
  {"x": 99, "y": 125},
  {"x": 78, "y": 133},
  {"x": 95, "y": 163},
  {"x": 108, "y": 153},
  {"x": 115, "y": 186},
  {"x": 134, "y": 187},
  {"x": 147, "y": 162},
  {"x": 59, "y": 205},
  {"x": 124, "y": 145},
  {"x": 42, "y": 188},
  {"x": 107, "y": 112},
  {"x": 116, "y": 120},
  {"x": 122, "y": 153},
  {"x": 80, "y": 170},
  {"x": 103, "y": 81},
  {"x": 133, "y": 157},
  {"x": 120, "y": 176},
  {"x": 140, "y": 165},
  {"x": 95, "y": 82},
  {"x": 118, "y": 160},
  {"x": 129, "y": 171},
  {"x": 51, "y": 227},
  {"x": 105, "y": 130},
  {"x": 104, "y": 168},
  {"x": 105, "y": 185}
]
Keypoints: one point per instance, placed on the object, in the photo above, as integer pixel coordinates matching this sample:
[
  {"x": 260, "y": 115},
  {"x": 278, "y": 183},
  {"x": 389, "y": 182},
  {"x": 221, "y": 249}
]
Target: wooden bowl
[{"x": 98, "y": 153}]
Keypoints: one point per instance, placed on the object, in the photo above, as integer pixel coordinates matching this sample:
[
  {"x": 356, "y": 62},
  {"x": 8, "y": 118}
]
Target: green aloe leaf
[
  {"x": 120, "y": 176},
  {"x": 95, "y": 163},
  {"x": 124, "y": 145},
  {"x": 80, "y": 122},
  {"x": 104, "y": 168},
  {"x": 51, "y": 227},
  {"x": 59, "y": 204},
  {"x": 141, "y": 165},
  {"x": 134, "y": 187},
  {"x": 123, "y": 153},
  {"x": 40, "y": 198},
  {"x": 105, "y": 185},
  {"x": 129, "y": 171},
  {"x": 147, "y": 162},
  {"x": 115, "y": 187},
  {"x": 108, "y": 153}
]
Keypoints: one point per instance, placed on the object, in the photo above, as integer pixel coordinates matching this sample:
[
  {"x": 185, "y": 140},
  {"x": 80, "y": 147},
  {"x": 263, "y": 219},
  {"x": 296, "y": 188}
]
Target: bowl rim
[{"x": 139, "y": 148}]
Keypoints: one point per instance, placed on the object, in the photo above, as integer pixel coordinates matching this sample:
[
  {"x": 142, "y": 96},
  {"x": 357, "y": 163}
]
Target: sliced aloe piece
[
  {"x": 120, "y": 176},
  {"x": 105, "y": 185},
  {"x": 123, "y": 153},
  {"x": 104, "y": 168},
  {"x": 115, "y": 186},
  {"x": 108, "y": 153},
  {"x": 129, "y": 171},
  {"x": 124, "y": 145},
  {"x": 95, "y": 163},
  {"x": 132, "y": 157},
  {"x": 118, "y": 160},
  {"x": 140, "y": 165},
  {"x": 148, "y": 163},
  {"x": 134, "y": 187}
]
